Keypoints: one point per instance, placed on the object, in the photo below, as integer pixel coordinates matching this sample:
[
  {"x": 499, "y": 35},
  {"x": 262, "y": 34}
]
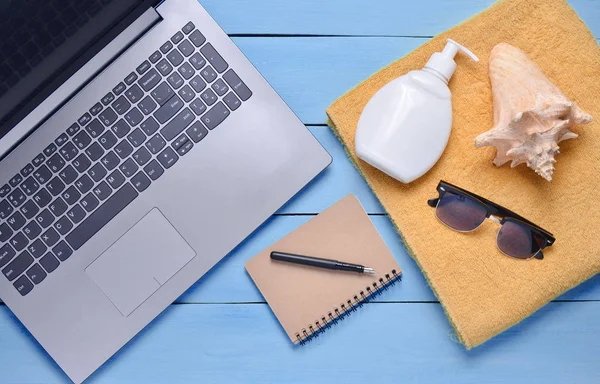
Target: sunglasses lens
[
  {"x": 460, "y": 212},
  {"x": 518, "y": 241}
]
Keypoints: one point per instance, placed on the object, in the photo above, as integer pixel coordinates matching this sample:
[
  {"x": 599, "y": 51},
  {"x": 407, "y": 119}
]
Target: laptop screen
[{"x": 43, "y": 39}]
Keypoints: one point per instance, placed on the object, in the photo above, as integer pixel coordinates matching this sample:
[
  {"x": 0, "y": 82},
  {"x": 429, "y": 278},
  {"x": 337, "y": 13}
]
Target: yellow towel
[{"x": 482, "y": 291}]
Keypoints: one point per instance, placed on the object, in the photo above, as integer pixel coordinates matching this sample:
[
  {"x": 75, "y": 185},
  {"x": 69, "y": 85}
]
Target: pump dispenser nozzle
[{"x": 443, "y": 62}]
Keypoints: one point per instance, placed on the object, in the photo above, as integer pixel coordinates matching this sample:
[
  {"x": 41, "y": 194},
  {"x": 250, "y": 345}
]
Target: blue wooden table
[{"x": 221, "y": 330}]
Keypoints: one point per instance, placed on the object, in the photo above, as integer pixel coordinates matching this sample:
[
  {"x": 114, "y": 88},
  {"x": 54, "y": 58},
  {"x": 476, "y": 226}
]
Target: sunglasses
[{"x": 464, "y": 211}]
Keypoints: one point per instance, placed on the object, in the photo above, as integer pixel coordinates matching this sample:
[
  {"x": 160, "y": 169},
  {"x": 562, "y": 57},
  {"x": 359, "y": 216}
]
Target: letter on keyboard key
[
  {"x": 62, "y": 251},
  {"x": 178, "y": 124},
  {"x": 37, "y": 249},
  {"x": 18, "y": 266},
  {"x": 16, "y": 221},
  {"x": 121, "y": 128},
  {"x": 95, "y": 128},
  {"x": 102, "y": 191},
  {"x": 5, "y": 233},
  {"x": 214, "y": 58},
  {"x": 5, "y": 209},
  {"x": 215, "y": 115},
  {"x": 16, "y": 198},
  {"x": 63, "y": 225},
  {"x": 237, "y": 84},
  {"x": 105, "y": 213},
  {"x": 164, "y": 113},
  {"x": 23, "y": 285},
  {"x": 76, "y": 214},
  {"x": 29, "y": 209},
  {"x": 108, "y": 116}
]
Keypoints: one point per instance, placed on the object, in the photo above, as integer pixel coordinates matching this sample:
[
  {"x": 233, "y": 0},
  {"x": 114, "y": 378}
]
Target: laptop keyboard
[{"x": 112, "y": 154}]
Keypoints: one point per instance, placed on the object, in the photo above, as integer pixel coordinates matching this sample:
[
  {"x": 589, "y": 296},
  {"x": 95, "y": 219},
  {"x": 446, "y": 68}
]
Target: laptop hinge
[{"x": 79, "y": 80}]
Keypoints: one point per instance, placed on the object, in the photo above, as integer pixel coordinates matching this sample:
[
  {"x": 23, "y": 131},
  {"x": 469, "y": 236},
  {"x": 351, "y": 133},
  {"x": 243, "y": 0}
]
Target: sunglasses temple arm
[{"x": 433, "y": 202}]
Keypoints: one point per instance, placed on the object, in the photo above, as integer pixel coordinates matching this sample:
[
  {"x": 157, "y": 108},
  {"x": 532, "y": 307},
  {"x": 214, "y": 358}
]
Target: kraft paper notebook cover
[{"x": 308, "y": 300}]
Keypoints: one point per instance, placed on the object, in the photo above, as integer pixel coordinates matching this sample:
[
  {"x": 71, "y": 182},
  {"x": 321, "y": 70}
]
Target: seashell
[{"x": 531, "y": 115}]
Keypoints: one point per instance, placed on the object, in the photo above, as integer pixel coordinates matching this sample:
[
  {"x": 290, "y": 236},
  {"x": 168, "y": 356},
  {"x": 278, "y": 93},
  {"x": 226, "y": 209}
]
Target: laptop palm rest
[{"x": 140, "y": 262}]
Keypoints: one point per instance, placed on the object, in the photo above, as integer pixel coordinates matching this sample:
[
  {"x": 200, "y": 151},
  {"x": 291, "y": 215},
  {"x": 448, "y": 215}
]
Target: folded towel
[{"x": 482, "y": 291}]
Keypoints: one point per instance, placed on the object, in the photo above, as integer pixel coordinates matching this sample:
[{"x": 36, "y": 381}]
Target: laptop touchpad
[{"x": 140, "y": 262}]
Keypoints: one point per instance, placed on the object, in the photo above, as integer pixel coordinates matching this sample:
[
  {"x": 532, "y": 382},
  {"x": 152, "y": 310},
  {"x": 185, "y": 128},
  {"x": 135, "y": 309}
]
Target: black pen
[{"x": 320, "y": 263}]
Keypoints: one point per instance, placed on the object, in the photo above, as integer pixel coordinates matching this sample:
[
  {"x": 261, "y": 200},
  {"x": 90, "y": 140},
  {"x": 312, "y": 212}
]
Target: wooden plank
[
  {"x": 379, "y": 343},
  {"x": 359, "y": 17}
]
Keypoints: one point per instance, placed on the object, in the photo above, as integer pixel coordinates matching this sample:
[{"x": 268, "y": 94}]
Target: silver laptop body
[{"x": 157, "y": 237}]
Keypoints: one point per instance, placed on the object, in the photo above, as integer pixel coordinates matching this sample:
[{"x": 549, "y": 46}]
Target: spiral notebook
[{"x": 307, "y": 300}]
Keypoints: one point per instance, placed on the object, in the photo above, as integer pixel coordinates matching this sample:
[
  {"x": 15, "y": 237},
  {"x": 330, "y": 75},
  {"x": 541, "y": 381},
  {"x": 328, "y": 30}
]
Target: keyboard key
[
  {"x": 178, "y": 124},
  {"x": 16, "y": 198},
  {"x": 32, "y": 230},
  {"x": 153, "y": 170},
  {"x": 168, "y": 158},
  {"x": 82, "y": 140},
  {"x": 27, "y": 170},
  {"x": 137, "y": 137},
  {"x": 60, "y": 140},
  {"x": 134, "y": 117},
  {"x": 108, "y": 140},
  {"x": 186, "y": 93},
  {"x": 23, "y": 285},
  {"x": 220, "y": 87},
  {"x": 120, "y": 88},
  {"x": 115, "y": 179},
  {"x": 82, "y": 163},
  {"x": 147, "y": 105},
  {"x": 16, "y": 221},
  {"x": 123, "y": 149},
  {"x": 197, "y": 38},
  {"x": 121, "y": 128},
  {"x": 73, "y": 129},
  {"x": 149, "y": 126},
  {"x": 55, "y": 163},
  {"x": 30, "y": 186},
  {"x": 42, "y": 198},
  {"x": 108, "y": 116},
  {"x": 50, "y": 150},
  {"x": 186, "y": 71},
  {"x": 149, "y": 80},
  {"x": 42, "y": 174},
  {"x": 189, "y": 27},
  {"x": 131, "y": 78},
  {"x": 214, "y": 58},
  {"x": 29, "y": 209},
  {"x": 177, "y": 37},
  {"x": 237, "y": 84},
  {"x": 95, "y": 128},
  {"x": 181, "y": 140},
  {"x": 37, "y": 248},
  {"x": 121, "y": 105},
  {"x": 174, "y": 57},
  {"x": 69, "y": 151},
  {"x": 134, "y": 94},
  {"x": 83, "y": 120},
  {"x": 155, "y": 57},
  {"x": 36, "y": 274},
  {"x": 63, "y": 225},
  {"x": 215, "y": 115},
  {"x": 62, "y": 251},
  {"x": 208, "y": 74},
  {"x": 167, "y": 111},
  {"x": 5, "y": 209},
  {"x": 84, "y": 184},
  {"x": 5, "y": 232},
  {"x": 71, "y": 195},
  {"x": 58, "y": 207},
  {"x": 6, "y": 254},
  {"x": 197, "y": 61},
  {"x": 197, "y": 132},
  {"x": 96, "y": 109},
  {"x": 164, "y": 67},
  {"x": 166, "y": 47},
  {"x": 4, "y": 190},
  {"x": 94, "y": 151},
  {"x": 107, "y": 99},
  {"x": 185, "y": 148},
  {"x": 175, "y": 80},
  {"x": 110, "y": 161},
  {"x": 140, "y": 181},
  {"x": 97, "y": 172},
  {"x": 186, "y": 48},
  {"x": 209, "y": 97},
  {"x": 55, "y": 186},
  {"x": 97, "y": 220},
  {"x": 89, "y": 202},
  {"x": 156, "y": 143},
  {"x": 68, "y": 174},
  {"x": 76, "y": 214},
  {"x": 198, "y": 107},
  {"x": 16, "y": 180},
  {"x": 129, "y": 168},
  {"x": 45, "y": 218},
  {"x": 232, "y": 101},
  {"x": 49, "y": 262},
  {"x": 162, "y": 93},
  {"x": 198, "y": 84},
  {"x": 50, "y": 237},
  {"x": 144, "y": 67},
  {"x": 142, "y": 156}
]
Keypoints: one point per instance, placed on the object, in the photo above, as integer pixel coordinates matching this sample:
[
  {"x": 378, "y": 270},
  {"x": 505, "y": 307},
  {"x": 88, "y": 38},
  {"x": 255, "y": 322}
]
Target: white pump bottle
[{"x": 405, "y": 127}]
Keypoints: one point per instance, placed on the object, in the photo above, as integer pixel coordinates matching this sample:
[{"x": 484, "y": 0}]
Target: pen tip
[{"x": 369, "y": 270}]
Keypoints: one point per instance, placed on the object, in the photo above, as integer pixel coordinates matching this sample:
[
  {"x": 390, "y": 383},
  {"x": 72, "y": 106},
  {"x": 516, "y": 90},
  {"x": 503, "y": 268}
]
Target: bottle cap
[{"x": 443, "y": 62}]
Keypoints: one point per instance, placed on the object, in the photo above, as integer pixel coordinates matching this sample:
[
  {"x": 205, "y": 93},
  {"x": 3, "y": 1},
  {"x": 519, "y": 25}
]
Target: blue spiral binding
[{"x": 345, "y": 309}]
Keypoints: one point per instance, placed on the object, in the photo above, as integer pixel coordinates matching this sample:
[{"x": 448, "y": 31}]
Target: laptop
[{"x": 139, "y": 147}]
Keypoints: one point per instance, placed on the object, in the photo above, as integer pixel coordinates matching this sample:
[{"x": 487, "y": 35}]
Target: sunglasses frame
[{"x": 496, "y": 213}]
